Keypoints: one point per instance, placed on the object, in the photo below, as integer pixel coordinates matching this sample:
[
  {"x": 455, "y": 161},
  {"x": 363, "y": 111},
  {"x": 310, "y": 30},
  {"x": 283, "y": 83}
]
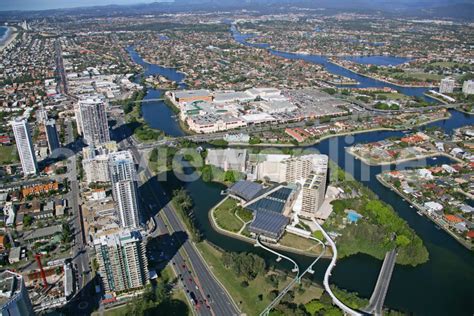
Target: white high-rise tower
[
  {"x": 92, "y": 121},
  {"x": 24, "y": 144},
  {"x": 124, "y": 188}
]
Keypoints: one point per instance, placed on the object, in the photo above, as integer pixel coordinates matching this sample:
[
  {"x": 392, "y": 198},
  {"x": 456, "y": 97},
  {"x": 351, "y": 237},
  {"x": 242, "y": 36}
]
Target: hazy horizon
[
  {"x": 34, "y": 5},
  {"x": 26, "y": 5}
]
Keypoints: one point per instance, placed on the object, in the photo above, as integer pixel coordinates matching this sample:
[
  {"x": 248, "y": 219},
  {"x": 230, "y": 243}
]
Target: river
[
  {"x": 364, "y": 82},
  {"x": 442, "y": 286},
  {"x": 156, "y": 113}
]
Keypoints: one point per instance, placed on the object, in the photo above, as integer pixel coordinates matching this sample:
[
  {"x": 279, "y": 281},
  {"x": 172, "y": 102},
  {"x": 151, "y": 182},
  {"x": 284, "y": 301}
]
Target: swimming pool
[{"x": 353, "y": 216}]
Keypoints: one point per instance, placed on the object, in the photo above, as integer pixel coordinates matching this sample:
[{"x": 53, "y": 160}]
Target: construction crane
[{"x": 40, "y": 265}]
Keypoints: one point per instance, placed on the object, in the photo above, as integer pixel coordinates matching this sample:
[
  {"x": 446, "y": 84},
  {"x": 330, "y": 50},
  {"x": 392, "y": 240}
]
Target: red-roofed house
[
  {"x": 453, "y": 219},
  {"x": 5, "y": 140}
]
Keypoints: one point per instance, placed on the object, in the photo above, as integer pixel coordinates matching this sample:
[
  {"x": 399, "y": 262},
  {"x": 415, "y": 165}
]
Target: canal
[
  {"x": 442, "y": 286},
  {"x": 364, "y": 82},
  {"x": 156, "y": 113}
]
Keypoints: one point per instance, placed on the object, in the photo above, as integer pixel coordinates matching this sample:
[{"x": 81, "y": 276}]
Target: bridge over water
[{"x": 377, "y": 299}]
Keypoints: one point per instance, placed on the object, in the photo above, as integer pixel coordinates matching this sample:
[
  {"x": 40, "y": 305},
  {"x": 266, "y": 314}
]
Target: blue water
[
  {"x": 364, "y": 82},
  {"x": 156, "y": 113},
  {"x": 378, "y": 60},
  {"x": 353, "y": 216},
  {"x": 442, "y": 286},
  {"x": 3, "y": 33}
]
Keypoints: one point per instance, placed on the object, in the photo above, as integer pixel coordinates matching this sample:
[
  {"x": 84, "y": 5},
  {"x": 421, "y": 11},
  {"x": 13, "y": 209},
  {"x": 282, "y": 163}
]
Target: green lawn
[
  {"x": 244, "y": 214},
  {"x": 225, "y": 216},
  {"x": 8, "y": 155},
  {"x": 300, "y": 243},
  {"x": 448, "y": 64},
  {"x": 421, "y": 76},
  {"x": 247, "y": 298},
  {"x": 394, "y": 96}
]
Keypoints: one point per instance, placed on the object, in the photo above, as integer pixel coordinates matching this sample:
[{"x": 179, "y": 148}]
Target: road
[
  {"x": 346, "y": 309},
  {"x": 380, "y": 291},
  {"x": 367, "y": 112},
  {"x": 60, "y": 72},
  {"x": 200, "y": 281},
  {"x": 81, "y": 263}
]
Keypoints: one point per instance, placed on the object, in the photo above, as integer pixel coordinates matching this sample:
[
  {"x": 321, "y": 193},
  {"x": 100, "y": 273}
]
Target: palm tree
[{"x": 187, "y": 202}]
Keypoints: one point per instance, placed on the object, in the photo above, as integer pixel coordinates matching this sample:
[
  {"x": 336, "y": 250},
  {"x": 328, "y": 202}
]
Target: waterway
[
  {"x": 364, "y": 82},
  {"x": 442, "y": 286},
  {"x": 378, "y": 60},
  {"x": 156, "y": 113},
  {"x": 3, "y": 34}
]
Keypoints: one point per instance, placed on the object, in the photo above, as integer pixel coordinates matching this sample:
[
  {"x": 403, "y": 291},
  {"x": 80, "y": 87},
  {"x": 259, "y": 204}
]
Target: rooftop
[{"x": 246, "y": 190}]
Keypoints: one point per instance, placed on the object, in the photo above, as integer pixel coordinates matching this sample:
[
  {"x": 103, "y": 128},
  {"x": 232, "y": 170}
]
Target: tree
[
  {"x": 272, "y": 294},
  {"x": 255, "y": 140},
  {"x": 206, "y": 173},
  {"x": 27, "y": 220},
  {"x": 66, "y": 235},
  {"x": 229, "y": 176},
  {"x": 402, "y": 241}
]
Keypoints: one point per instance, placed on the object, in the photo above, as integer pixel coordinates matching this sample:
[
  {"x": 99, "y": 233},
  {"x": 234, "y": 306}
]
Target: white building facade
[
  {"x": 24, "y": 144},
  {"x": 124, "y": 188}
]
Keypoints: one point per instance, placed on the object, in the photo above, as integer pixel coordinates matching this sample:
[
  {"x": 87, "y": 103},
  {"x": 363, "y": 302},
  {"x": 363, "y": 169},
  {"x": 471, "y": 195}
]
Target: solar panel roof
[
  {"x": 268, "y": 223},
  {"x": 246, "y": 189},
  {"x": 274, "y": 202}
]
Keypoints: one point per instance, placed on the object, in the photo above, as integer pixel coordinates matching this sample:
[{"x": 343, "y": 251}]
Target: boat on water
[
  {"x": 419, "y": 213},
  {"x": 411, "y": 206},
  {"x": 435, "y": 158}
]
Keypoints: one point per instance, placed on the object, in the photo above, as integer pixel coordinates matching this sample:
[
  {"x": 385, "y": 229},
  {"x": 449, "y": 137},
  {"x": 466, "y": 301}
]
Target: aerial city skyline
[{"x": 222, "y": 158}]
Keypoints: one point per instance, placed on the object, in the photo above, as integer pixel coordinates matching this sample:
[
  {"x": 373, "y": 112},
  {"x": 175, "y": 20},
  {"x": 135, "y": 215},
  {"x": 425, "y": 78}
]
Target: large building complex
[
  {"x": 284, "y": 168},
  {"x": 91, "y": 120},
  {"x": 122, "y": 260},
  {"x": 124, "y": 188},
  {"x": 52, "y": 135},
  {"x": 24, "y": 144},
  {"x": 300, "y": 190},
  {"x": 207, "y": 112},
  {"x": 14, "y": 299}
]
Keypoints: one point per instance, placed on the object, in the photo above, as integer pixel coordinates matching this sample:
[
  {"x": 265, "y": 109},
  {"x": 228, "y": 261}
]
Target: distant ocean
[{"x": 3, "y": 33}]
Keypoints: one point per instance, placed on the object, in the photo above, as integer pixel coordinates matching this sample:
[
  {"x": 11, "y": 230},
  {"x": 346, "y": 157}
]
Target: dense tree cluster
[
  {"x": 247, "y": 265},
  {"x": 183, "y": 204}
]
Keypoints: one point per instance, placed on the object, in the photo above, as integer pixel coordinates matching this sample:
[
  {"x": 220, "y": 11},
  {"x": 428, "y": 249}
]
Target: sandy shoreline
[{"x": 12, "y": 33}]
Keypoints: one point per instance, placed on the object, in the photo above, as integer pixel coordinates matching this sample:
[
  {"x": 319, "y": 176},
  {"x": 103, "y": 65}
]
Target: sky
[{"x": 7, "y": 5}]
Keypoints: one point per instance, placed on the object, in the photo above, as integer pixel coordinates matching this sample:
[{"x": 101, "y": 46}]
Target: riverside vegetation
[{"x": 379, "y": 230}]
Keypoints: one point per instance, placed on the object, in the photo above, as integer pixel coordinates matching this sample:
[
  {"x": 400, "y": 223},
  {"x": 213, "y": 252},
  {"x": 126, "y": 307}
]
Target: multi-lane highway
[
  {"x": 80, "y": 255},
  {"x": 205, "y": 292}
]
